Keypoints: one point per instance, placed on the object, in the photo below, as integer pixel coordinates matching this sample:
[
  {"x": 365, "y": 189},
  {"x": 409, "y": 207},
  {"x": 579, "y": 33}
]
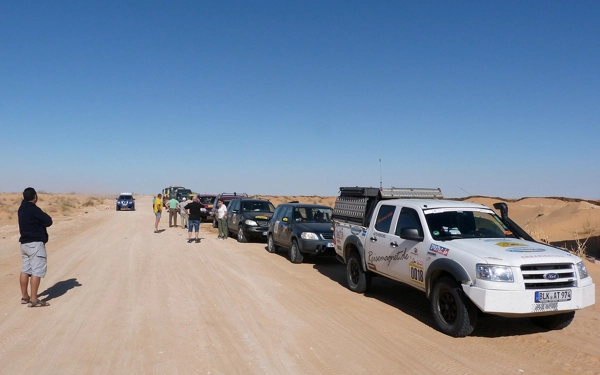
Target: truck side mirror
[{"x": 411, "y": 234}]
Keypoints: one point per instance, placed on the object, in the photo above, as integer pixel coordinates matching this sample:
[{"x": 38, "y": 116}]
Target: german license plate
[
  {"x": 553, "y": 296},
  {"x": 329, "y": 244}
]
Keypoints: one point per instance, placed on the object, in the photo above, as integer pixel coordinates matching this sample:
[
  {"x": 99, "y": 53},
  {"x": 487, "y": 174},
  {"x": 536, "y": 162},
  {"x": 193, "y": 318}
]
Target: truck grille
[
  {"x": 327, "y": 236},
  {"x": 534, "y": 276}
]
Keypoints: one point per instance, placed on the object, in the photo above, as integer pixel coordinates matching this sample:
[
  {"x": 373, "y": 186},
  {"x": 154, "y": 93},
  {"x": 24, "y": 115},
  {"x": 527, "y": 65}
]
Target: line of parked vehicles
[
  {"x": 465, "y": 258},
  {"x": 301, "y": 228}
]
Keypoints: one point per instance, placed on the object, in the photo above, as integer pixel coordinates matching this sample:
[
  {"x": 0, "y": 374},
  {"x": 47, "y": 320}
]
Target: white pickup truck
[{"x": 463, "y": 255}]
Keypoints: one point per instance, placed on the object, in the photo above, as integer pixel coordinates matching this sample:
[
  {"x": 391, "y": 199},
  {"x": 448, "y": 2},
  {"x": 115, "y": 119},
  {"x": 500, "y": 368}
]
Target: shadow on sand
[
  {"x": 59, "y": 289},
  {"x": 413, "y": 302}
]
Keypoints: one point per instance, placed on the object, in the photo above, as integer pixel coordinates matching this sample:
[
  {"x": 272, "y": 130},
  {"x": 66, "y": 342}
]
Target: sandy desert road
[{"x": 127, "y": 301}]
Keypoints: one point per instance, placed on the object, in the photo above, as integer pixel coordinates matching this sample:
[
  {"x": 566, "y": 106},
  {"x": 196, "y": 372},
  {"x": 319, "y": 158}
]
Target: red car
[{"x": 207, "y": 201}]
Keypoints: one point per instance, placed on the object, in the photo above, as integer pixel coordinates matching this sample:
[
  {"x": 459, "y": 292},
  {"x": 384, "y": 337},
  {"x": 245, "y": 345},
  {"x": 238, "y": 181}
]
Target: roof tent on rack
[{"x": 356, "y": 204}]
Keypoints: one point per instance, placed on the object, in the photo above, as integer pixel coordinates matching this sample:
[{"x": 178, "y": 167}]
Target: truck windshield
[
  {"x": 207, "y": 200},
  {"x": 313, "y": 214},
  {"x": 465, "y": 224},
  {"x": 257, "y": 206}
]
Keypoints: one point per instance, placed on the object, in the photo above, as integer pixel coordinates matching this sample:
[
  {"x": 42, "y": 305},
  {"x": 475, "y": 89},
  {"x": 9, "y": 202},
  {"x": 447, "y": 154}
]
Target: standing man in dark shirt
[
  {"x": 32, "y": 226},
  {"x": 193, "y": 210}
]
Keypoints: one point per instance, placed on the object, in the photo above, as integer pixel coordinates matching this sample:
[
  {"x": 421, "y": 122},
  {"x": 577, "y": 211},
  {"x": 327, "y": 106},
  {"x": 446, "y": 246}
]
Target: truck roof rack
[
  {"x": 356, "y": 204},
  {"x": 391, "y": 193}
]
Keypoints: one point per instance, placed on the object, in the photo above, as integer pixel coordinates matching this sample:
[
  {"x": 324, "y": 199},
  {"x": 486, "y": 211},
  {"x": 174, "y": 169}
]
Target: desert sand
[{"x": 125, "y": 300}]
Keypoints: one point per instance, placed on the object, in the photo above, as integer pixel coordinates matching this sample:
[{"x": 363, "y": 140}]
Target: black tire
[
  {"x": 554, "y": 322},
  {"x": 295, "y": 254},
  {"x": 271, "y": 247},
  {"x": 453, "y": 312},
  {"x": 359, "y": 280},
  {"x": 118, "y": 209},
  {"x": 241, "y": 237}
]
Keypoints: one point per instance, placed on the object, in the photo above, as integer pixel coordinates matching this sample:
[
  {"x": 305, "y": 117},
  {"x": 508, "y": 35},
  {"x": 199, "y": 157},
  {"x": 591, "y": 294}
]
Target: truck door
[
  {"x": 407, "y": 266},
  {"x": 380, "y": 246},
  {"x": 232, "y": 215},
  {"x": 285, "y": 228}
]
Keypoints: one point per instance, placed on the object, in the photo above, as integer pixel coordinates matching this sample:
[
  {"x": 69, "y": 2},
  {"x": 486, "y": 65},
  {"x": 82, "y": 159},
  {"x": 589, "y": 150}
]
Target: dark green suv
[{"x": 302, "y": 229}]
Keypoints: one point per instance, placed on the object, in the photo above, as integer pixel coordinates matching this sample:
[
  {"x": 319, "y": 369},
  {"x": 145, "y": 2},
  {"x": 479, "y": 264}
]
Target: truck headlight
[
  {"x": 309, "y": 236},
  {"x": 250, "y": 222},
  {"x": 494, "y": 273},
  {"x": 582, "y": 270}
]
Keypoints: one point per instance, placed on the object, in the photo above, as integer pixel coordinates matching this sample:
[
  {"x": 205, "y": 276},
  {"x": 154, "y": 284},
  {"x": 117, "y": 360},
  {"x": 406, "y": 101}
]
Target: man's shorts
[
  {"x": 193, "y": 224},
  {"x": 157, "y": 214},
  {"x": 33, "y": 255}
]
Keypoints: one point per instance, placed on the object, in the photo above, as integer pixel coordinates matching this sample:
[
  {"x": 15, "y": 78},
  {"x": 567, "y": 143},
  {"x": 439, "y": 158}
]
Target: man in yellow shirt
[{"x": 157, "y": 211}]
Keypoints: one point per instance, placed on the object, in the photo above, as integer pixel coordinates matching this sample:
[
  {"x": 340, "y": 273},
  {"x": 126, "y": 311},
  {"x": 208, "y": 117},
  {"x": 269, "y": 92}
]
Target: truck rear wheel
[
  {"x": 359, "y": 281},
  {"x": 295, "y": 254},
  {"x": 558, "y": 321},
  {"x": 453, "y": 313},
  {"x": 271, "y": 244}
]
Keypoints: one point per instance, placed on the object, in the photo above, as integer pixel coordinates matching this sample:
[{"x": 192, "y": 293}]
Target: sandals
[
  {"x": 38, "y": 303},
  {"x": 25, "y": 301}
]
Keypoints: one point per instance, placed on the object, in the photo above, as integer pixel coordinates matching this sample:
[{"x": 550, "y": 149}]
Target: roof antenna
[
  {"x": 380, "y": 176},
  {"x": 466, "y": 192}
]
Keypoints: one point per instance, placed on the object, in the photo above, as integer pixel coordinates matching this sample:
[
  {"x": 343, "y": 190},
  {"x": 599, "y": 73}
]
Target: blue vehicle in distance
[{"x": 126, "y": 201}]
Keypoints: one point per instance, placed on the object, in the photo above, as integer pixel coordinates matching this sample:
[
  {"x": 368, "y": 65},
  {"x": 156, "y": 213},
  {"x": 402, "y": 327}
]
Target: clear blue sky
[{"x": 497, "y": 98}]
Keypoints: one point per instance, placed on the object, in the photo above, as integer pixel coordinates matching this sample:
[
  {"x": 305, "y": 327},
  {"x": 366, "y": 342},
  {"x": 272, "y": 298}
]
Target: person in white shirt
[
  {"x": 182, "y": 213},
  {"x": 222, "y": 220}
]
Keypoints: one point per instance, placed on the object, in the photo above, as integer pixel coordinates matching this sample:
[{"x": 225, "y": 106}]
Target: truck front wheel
[
  {"x": 558, "y": 321},
  {"x": 453, "y": 313},
  {"x": 359, "y": 281},
  {"x": 241, "y": 237},
  {"x": 295, "y": 254}
]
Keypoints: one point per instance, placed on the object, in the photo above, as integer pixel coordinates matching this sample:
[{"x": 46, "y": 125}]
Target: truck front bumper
[
  {"x": 316, "y": 247},
  {"x": 255, "y": 231},
  {"x": 522, "y": 303}
]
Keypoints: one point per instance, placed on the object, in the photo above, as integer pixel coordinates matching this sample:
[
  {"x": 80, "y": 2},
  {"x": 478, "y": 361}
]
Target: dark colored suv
[
  {"x": 125, "y": 200},
  {"x": 302, "y": 229},
  {"x": 227, "y": 197},
  {"x": 249, "y": 218}
]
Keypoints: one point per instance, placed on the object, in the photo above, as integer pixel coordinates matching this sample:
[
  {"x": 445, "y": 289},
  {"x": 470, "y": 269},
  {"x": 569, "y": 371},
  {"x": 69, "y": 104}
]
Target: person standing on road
[
  {"x": 158, "y": 204},
  {"x": 184, "y": 215},
  {"x": 34, "y": 236},
  {"x": 222, "y": 220},
  {"x": 194, "y": 209},
  {"x": 172, "y": 203}
]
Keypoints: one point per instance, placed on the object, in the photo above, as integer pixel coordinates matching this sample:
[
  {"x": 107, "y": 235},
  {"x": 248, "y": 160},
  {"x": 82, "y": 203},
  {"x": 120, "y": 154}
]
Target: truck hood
[
  {"x": 505, "y": 251},
  {"x": 315, "y": 227},
  {"x": 257, "y": 215}
]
